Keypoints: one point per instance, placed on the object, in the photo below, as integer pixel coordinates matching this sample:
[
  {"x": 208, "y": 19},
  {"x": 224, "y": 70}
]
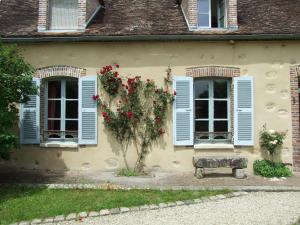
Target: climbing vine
[{"x": 136, "y": 110}]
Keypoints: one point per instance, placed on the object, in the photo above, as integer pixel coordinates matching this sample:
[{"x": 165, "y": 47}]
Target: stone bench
[{"x": 238, "y": 164}]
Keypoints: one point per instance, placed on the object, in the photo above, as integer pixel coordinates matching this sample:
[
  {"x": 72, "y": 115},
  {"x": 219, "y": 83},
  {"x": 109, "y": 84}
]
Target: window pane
[
  {"x": 54, "y": 90},
  {"x": 201, "y": 110},
  {"x": 220, "y": 109},
  {"x": 54, "y": 108},
  {"x": 220, "y": 89},
  {"x": 71, "y": 125},
  {"x": 203, "y": 6},
  {"x": 203, "y": 20},
  {"x": 71, "y": 109},
  {"x": 202, "y": 127},
  {"x": 72, "y": 89},
  {"x": 201, "y": 89},
  {"x": 220, "y": 126},
  {"x": 53, "y": 124}
]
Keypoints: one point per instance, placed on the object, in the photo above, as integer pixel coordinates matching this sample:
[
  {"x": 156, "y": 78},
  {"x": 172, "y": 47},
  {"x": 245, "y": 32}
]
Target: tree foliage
[{"x": 15, "y": 87}]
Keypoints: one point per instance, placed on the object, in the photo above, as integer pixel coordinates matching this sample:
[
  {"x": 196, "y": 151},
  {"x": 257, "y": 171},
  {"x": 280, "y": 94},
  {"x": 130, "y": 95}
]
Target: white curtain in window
[{"x": 64, "y": 14}]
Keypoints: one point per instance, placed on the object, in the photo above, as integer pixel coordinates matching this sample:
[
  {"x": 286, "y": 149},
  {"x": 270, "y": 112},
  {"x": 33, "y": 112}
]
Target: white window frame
[
  {"x": 211, "y": 118},
  {"x": 63, "y": 101},
  {"x": 218, "y": 15}
]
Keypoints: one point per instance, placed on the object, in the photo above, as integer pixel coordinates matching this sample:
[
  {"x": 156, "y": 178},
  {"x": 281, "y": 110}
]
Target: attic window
[
  {"x": 211, "y": 13},
  {"x": 63, "y": 14}
]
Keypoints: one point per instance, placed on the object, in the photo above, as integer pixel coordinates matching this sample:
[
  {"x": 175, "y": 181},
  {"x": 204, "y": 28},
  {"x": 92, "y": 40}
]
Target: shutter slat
[
  {"x": 30, "y": 119},
  {"x": 243, "y": 111},
  {"x": 88, "y": 111},
  {"x": 183, "y": 128}
]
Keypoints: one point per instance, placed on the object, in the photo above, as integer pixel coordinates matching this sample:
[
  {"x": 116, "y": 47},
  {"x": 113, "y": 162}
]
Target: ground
[
  {"x": 281, "y": 208},
  {"x": 158, "y": 180}
]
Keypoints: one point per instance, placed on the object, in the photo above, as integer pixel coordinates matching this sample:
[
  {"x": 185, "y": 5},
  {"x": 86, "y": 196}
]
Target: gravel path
[{"x": 263, "y": 208}]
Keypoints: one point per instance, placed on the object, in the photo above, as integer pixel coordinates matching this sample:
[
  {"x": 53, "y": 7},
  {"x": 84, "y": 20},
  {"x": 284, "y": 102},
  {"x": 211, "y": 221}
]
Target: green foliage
[
  {"x": 23, "y": 204},
  {"x": 128, "y": 173},
  {"x": 267, "y": 168},
  {"x": 297, "y": 223},
  {"x": 16, "y": 86},
  {"x": 271, "y": 141},
  {"x": 136, "y": 112}
]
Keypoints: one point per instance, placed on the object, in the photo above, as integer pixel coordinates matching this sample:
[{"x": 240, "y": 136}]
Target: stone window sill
[
  {"x": 213, "y": 146},
  {"x": 59, "y": 144}
]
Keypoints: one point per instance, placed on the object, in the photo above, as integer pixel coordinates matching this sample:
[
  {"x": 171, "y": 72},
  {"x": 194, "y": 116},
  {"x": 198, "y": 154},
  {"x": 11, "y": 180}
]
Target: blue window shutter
[
  {"x": 30, "y": 119},
  {"x": 183, "y": 119},
  {"x": 243, "y": 111},
  {"x": 87, "y": 111}
]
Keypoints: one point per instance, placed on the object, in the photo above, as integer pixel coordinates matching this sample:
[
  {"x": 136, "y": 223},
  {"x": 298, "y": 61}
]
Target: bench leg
[
  {"x": 239, "y": 173},
  {"x": 199, "y": 173}
]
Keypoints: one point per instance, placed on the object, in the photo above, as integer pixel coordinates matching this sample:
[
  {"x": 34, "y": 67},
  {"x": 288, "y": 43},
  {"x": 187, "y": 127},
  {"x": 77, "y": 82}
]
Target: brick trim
[
  {"x": 213, "y": 71},
  {"x": 232, "y": 21},
  {"x": 43, "y": 14},
  {"x": 294, "y": 74},
  {"x": 218, "y": 71},
  {"x": 54, "y": 71}
]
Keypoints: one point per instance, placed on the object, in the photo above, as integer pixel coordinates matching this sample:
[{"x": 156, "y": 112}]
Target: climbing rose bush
[{"x": 135, "y": 112}]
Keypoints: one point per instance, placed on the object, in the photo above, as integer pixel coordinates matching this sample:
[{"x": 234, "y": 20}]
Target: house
[{"x": 235, "y": 65}]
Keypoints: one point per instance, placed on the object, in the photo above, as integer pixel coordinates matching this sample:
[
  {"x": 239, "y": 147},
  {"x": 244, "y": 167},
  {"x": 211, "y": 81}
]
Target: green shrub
[
  {"x": 267, "y": 168},
  {"x": 128, "y": 173}
]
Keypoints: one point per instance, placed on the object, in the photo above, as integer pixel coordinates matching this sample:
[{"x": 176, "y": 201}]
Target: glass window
[
  {"x": 64, "y": 14},
  {"x": 211, "y": 13},
  {"x": 201, "y": 89},
  {"x": 71, "y": 89},
  {"x": 201, "y": 111},
  {"x": 211, "y": 110},
  {"x": 62, "y": 109}
]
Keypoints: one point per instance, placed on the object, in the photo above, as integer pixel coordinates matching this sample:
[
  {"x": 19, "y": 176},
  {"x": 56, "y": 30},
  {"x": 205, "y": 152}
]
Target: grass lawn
[{"x": 20, "y": 203}]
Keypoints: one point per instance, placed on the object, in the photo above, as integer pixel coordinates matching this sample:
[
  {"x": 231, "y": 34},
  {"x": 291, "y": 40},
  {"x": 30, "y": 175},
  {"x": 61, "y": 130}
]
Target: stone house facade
[{"x": 235, "y": 67}]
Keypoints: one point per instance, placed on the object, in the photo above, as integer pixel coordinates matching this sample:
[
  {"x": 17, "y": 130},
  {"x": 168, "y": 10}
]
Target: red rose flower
[
  {"x": 161, "y": 131},
  {"x": 104, "y": 114},
  {"x": 175, "y": 93},
  {"x": 157, "y": 119},
  {"x": 116, "y": 74},
  {"x": 95, "y": 97},
  {"x": 129, "y": 114},
  {"x": 117, "y": 65}
]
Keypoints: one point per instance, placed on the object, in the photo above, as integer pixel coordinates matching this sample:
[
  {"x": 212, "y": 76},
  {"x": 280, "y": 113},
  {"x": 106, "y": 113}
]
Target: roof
[{"x": 154, "y": 17}]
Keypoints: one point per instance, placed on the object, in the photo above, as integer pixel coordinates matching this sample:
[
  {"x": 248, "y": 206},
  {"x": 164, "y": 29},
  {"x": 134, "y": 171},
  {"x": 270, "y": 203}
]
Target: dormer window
[
  {"x": 63, "y": 14},
  {"x": 66, "y": 15},
  {"x": 211, "y": 13}
]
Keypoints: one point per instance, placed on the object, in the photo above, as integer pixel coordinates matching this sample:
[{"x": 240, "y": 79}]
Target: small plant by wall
[
  {"x": 271, "y": 142},
  {"x": 135, "y": 111}
]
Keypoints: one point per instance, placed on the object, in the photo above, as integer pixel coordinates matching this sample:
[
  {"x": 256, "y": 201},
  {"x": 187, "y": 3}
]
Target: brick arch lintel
[
  {"x": 213, "y": 71},
  {"x": 294, "y": 74},
  {"x": 60, "y": 70}
]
